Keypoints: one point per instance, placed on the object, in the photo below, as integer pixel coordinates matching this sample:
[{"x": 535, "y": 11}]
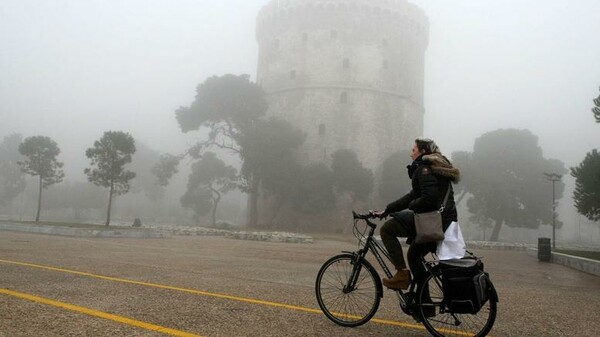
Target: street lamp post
[{"x": 553, "y": 177}]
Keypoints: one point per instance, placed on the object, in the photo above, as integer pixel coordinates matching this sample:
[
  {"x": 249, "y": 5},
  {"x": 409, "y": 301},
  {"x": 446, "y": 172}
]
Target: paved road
[{"x": 213, "y": 286}]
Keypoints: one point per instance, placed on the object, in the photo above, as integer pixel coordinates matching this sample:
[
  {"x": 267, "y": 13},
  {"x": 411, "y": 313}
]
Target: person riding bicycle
[{"x": 431, "y": 174}]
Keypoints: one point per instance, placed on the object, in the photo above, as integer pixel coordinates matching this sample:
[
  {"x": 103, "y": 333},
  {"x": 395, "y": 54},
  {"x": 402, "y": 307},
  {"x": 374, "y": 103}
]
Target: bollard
[{"x": 544, "y": 250}]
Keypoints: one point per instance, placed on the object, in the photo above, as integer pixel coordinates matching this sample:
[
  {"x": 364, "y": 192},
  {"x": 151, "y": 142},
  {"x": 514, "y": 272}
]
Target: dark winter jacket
[{"x": 431, "y": 177}]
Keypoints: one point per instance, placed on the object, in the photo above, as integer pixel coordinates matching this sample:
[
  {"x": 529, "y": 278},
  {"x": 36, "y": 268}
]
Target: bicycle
[{"x": 349, "y": 290}]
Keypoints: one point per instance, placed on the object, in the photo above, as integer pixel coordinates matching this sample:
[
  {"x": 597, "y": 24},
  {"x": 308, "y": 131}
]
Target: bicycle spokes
[{"x": 347, "y": 292}]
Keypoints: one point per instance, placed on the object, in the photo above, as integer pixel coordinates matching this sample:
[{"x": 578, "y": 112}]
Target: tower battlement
[
  {"x": 399, "y": 14},
  {"x": 392, "y": 9}
]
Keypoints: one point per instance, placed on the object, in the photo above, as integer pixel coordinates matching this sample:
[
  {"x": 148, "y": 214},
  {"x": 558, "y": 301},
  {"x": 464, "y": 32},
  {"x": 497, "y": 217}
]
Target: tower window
[
  {"x": 344, "y": 98},
  {"x": 346, "y": 63},
  {"x": 321, "y": 129}
]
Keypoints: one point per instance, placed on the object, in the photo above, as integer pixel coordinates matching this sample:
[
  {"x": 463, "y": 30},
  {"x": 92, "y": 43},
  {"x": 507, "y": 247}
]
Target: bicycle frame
[{"x": 379, "y": 251}]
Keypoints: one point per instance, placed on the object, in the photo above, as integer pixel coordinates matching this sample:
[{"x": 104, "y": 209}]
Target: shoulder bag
[{"x": 429, "y": 225}]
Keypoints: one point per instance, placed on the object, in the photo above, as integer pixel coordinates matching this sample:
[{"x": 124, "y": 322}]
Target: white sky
[
  {"x": 74, "y": 69},
  {"x": 514, "y": 63}
]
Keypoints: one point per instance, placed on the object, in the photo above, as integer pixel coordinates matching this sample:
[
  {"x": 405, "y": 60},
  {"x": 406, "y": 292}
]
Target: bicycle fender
[{"x": 493, "y": 293}]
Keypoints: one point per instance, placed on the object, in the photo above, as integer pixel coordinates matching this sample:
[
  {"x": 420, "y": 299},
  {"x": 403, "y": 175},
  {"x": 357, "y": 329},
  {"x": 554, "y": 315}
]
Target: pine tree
[
  {"x": 587, "y": 186},
  {"x": 40, "y": 153},
  {"x": 108, "y": 158},
  {"x": 596, "y": 109}
]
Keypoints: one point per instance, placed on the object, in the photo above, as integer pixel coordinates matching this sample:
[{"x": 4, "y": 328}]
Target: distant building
[{"x": 347, "y": 72}]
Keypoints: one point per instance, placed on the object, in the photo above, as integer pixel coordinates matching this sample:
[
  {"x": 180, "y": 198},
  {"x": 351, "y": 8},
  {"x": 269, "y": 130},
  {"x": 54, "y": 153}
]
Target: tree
[
  {"x": 41, "y": 153},
  {"x": 77, "y": 196},
  {"x": 108, "y": 158},
  {"x": 463, "y": 160},
  {"x": 12, "y": 181},
  {"x": 210, "y": 177},
  {"x": 587, "y": 186},
  {"x": 165, "y": 168},
  {"x": 506, "y": 180},
  {"x": 229, "y": 106},
  {"x": 315, "y": 192},
  {"x": 145, "y": 182},
  {"x": 394, "y": 177},
  {"x": 9, "y": 148},
  {"x": 232, "y": 108},
  {"x": 350, "y": 176},
  {"x": 596, "y": 109},
  {"x": 198, "y": 200},
  {"x": 270, "y": 162}
]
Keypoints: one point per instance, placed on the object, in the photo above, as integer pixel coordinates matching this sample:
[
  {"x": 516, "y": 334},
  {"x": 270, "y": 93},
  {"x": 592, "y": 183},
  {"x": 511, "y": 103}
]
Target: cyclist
[{"x": 431, "y": 174}]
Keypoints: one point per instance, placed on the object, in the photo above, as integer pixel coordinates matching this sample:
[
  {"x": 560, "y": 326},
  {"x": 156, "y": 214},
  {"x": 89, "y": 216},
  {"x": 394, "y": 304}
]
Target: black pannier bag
[{"x": 465, "y": 287}]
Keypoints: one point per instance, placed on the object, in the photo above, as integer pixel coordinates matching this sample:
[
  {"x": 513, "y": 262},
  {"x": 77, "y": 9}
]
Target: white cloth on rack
[{"x": 453, "y": 246}]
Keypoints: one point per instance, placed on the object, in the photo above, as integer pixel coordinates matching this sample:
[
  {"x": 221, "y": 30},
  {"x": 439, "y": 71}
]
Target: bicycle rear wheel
[
  {"x": 444, "y": 323},
  {"x": 343, "y": 305}
]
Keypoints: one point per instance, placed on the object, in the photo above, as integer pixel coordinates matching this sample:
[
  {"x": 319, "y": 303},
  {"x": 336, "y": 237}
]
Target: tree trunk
[
  {"x": 215, "y": 204},
  {"x": 279, "y": 203},
  {"x": 37, "y": 216},
  {"x": 252, "y": 216},
  {"x": 109, "y": 205},
  {"x": 496, "y": 231},
  {"x": 346, "y": 229}
]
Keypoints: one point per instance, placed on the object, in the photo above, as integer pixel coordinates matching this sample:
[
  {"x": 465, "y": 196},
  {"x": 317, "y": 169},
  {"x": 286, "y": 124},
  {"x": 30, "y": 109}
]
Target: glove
[{"x": 381, "y": 214}]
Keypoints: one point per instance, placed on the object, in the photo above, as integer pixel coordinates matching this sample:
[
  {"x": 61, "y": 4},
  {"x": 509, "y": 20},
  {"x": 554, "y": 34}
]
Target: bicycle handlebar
[{"x": 364, "y": 216}]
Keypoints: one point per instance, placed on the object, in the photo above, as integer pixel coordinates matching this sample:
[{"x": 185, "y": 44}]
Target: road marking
[
  {"x": 96, "y": 313},
  {"x": 161, "y": 286},
  {"x": 209, "y": 294}
]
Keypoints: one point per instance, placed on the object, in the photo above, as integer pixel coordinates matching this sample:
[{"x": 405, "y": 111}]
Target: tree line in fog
[{"x": 503, "y": 177}]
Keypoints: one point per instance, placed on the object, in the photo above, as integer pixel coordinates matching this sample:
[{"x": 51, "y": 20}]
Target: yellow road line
[
  {"x": 209, "y": 294},
  {"x": 154, "y": 285},
  {"x": 96, "y": 313},
  {"x": 161, "y": 286}
]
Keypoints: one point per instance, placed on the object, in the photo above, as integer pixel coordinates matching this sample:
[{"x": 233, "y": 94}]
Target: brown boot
[{"x": 399, "y": 281}]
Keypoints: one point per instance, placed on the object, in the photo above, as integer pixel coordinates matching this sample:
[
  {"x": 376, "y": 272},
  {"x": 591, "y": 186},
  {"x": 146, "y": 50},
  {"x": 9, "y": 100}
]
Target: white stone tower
[{"x": 349, "y": 73}]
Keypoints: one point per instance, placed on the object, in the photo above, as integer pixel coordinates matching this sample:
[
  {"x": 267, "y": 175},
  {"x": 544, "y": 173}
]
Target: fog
[
  {"x": 519, "y": 64},
  {"x": 74, "y": 69}
]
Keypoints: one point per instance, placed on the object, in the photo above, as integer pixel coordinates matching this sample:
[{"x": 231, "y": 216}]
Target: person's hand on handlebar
[{"x": 380, "y": 214}]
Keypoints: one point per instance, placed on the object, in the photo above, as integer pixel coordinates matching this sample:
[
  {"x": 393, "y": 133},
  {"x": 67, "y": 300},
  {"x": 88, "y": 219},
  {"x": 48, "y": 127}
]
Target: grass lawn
[{"x": 581, "y": 253}]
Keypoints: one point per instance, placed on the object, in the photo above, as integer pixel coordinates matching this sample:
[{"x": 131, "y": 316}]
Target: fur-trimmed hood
[{"x": 441, "y": 166}]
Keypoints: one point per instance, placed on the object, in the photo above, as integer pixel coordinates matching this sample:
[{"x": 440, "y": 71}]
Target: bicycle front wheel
[
  {"x": 441, "y": 322},
  {"x": 345, "y": 303}
]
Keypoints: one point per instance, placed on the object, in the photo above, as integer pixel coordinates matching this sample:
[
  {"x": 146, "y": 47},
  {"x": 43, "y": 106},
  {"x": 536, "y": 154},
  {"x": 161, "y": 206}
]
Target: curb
[
  {"x": 579, "y": 263},
  {"x": 497, "y": 245},
  {"x": 270, "y": 237},
  {"x": 83, "y": 232}
]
